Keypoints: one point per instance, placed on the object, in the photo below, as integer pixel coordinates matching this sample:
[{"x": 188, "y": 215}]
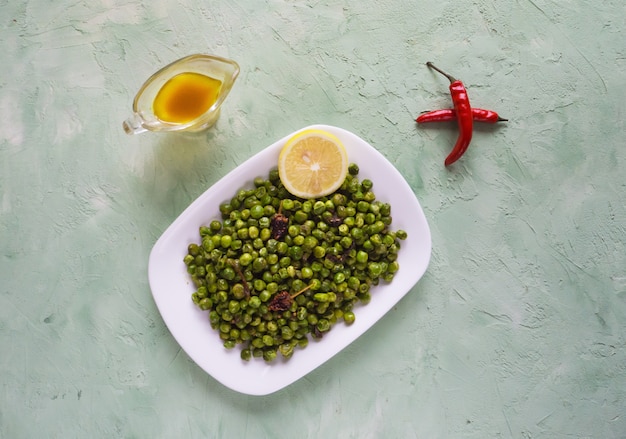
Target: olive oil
[{"x": 186, "y": 97}]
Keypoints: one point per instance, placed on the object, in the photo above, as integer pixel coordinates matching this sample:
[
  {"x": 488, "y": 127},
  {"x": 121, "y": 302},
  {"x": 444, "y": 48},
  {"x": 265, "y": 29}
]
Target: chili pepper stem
[
  {"x": 294, "y": 295},
  {"x": 432, "y": 66},
  {"x": 246, "y": 287}
]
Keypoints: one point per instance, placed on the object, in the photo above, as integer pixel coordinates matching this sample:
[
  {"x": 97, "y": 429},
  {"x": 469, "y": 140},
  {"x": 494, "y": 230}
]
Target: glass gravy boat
[{"x": 217, "y": 76}]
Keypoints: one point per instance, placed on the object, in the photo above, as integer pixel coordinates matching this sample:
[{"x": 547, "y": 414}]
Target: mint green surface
[{"x": 517, "y": 329}]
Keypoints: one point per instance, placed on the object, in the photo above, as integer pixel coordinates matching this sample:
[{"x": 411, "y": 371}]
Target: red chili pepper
[
  {"x": 463, "y": 111},
  {"x": 447, "y": 114}
]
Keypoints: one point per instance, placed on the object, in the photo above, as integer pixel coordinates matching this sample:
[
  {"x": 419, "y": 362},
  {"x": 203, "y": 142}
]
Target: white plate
[{"x": 172, "y": 288}]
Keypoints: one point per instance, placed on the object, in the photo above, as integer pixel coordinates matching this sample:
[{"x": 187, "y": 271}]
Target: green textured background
[{"x": 517, "y": 330}]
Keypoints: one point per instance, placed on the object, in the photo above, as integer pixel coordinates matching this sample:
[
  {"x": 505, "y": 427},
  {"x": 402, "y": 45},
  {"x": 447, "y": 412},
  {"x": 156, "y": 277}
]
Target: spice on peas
[
  {"x": 462, "y": 112},
  {"x": 279, "y": 223},
  {"x": 282, "y": 300}
]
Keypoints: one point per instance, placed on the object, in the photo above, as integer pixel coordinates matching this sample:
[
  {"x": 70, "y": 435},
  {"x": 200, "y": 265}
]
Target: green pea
[
  {"x": 319, "y": 207},
  {"x": 375, "y": 208},
  {"x": 254, "y": 302},
  {"x": 346, "y": 242},
  {"x": 272, "y": 326},
  {"x": 245, "y": 334},
  {"x": 235, "y": 203},
  {"x": 268, "y": 340},
  {"x": 242, "y": 233},
  {"x": 317, "y": 266},
  {"x": 309, "y": 243},
  {"x": 245, "y": 259},
  {"x": 314, "y": 285},
  {"x": 388, "y": 277},
  {"x": 343, "y": 229},
  {"x": 260, "y": 192},
  {"x": 269, "y": 355},
  {"x": 228, "y": 273},
  {"x": 225, "y": 209},
  {"x": 378, "y": 226},
  {"x": 233, "y": 306},
  {"x": 323, "y": 226},
  {"x": 296, "y": 252},
  {"x": 291, "y": 271},
  {"x": 286, "y": 349},
  {"x": 202, "y": 292},
  {"x": 306, "y": 272},
  {"x": 341, "y": 211},
  {"x": 293, "y": 231},
  {"x": 339, "y": 277},
  {"x": 256, "y": 211},
  {"x": 301, "y": 313},
  {"x": 320, "y": 297},
  {"x": 362, "y": 256},
  {"x": 238, "y": 291},
  {"x": 205, "y": 304},
  {"x": 282, "y": 248},
  {"x": 339, "y": 199},
  {"x": 258, "y": 265},
  {"x": 193, "y": 249},
  {"x": 288, "y": 204},
  {"x": 225, "y": 241},
  {"x": 253, "y": 232},
  {"x": 258, "y": 285},
  {"x": 272, "y": 287},
  {"x": 319, "y": 252},
  {"x": 393, "y": 267},
  {"x": 349, "y": 317},
  {"x": 300, "y": 216},
  {"x": 323, "y": 325}
]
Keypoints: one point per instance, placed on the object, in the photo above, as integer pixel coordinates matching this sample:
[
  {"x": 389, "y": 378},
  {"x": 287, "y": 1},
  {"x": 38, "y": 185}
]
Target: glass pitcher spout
[{"x": 134, "y": 125}]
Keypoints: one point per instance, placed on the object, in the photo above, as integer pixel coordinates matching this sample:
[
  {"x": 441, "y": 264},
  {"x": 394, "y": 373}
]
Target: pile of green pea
[{"x": 336, "y": 247}]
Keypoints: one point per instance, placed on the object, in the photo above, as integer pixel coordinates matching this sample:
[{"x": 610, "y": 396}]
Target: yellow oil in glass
[{"x": 186, "y": 97}]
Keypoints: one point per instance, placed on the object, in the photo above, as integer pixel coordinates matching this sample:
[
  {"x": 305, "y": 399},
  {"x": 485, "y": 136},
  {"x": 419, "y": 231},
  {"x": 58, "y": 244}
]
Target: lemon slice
[{"x": 312, "y": 164}]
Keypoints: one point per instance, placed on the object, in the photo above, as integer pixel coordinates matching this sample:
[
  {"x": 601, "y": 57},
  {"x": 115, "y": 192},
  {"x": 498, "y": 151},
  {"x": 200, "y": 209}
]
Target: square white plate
[{"x": 172, "y": 287}]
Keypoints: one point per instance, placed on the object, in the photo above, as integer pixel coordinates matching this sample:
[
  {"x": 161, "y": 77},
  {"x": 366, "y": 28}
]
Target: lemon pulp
[{"x": 312, "y": 164}]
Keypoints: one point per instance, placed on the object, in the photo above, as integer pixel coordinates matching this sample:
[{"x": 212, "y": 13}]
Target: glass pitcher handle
[{"x": 134, "y": 125}]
